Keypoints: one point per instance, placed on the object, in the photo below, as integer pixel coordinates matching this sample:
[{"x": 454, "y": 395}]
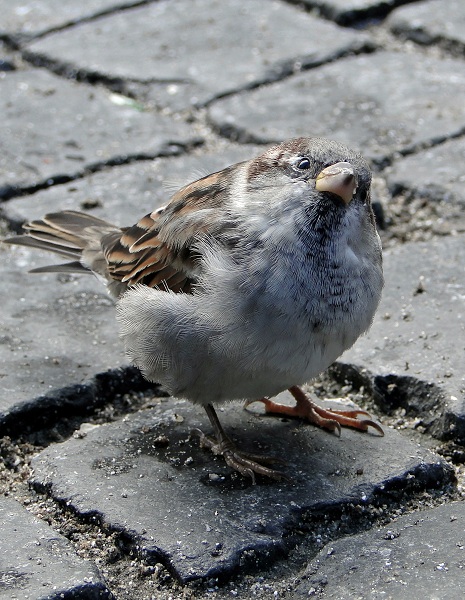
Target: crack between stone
[
  {"x": 77, "y": 400},
  {"x": 387, "y": 160},
  {"x": 419, "y": 397},
  {"x": 280, "y": 71},
  {"x": 356, "y": 18},
  {"x": 113, "y": 83},
  {"x": 174, "y": 148},
  {"x": 15, "y": 40},
  {"x": 287, "y": 68}
]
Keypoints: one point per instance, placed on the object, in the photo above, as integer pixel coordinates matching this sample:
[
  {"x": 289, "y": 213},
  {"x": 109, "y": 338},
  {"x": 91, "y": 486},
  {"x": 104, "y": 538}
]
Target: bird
[{"x": 249, "y": 281}]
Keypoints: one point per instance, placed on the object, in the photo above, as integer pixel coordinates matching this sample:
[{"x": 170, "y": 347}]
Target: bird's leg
[
  {"x": 331, "y": 419},
  {"x": 245, "y": 463}
]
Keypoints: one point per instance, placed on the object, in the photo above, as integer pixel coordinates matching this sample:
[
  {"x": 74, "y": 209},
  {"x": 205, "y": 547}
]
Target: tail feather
[
  {"x": 42, "y": 231},
  {"x": 72, "y": 267},
  {"x": 72, "y": 221},
  {"x": 43, "y": 242},
  {"x": 70, "y": 234}
]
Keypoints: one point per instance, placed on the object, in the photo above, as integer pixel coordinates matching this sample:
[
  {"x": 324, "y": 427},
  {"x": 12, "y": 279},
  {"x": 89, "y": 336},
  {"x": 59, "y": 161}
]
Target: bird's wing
[{"x": 160, "y": 250}]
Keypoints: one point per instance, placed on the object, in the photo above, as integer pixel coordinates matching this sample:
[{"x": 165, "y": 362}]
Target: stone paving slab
[
  {"x": 37, "y": 563},
  {"x": 191, "y": 45},
  {"x": 382, "y": 103},
  {"x": 123, "y": 194},
  {"x": 421, "y": 555},
  {"x": 431, "y": 22},
  {"x": 179, "y": 505},
  {"x": 34, "y": 18},
  {"x": 54, "y": 129},
  {"x": 435, "y": 173},
  {"x": 414, "y": 351}
]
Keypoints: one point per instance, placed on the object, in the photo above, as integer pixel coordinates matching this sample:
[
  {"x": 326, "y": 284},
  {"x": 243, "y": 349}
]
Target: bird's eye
[{"x": 304, "y": 163}]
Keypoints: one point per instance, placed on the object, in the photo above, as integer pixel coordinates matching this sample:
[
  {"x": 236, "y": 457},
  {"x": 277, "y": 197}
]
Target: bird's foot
[
  {"x": 330, "y": 419},
  {"x": 245, "y": 463}
]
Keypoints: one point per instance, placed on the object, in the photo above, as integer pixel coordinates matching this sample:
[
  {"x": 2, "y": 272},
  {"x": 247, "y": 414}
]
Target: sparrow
[{"x": 250, "y": 281}]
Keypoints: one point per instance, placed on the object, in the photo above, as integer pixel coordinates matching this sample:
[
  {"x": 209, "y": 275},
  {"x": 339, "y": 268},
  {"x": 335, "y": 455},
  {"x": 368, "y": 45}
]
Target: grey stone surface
[
  {"x": 121, "y": 194},
  {"x": 431, "y": 22},
  {"x": 414, "y": 351},
  {"x": 185, "y": 48},
  {"x": 181, "y": 506},
  {"x": 53, "y": 128},
  {"x": 382, "y": 103},
  {"x": 435, "y": 173},
  {"x": 37, "y": 563},
  {"x": 33, "y": 18},
  {"x": 125, "y": 193},
  {"x": 417, "y": 556},
  {"x": 55, "y": 333}
]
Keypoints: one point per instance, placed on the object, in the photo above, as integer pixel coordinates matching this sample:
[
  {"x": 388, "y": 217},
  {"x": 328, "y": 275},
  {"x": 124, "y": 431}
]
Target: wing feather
[{"x": 159, "y": 250}]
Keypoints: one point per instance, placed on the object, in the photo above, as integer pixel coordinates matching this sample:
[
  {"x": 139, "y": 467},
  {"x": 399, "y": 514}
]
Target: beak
[{"x": 338, "y": 179}]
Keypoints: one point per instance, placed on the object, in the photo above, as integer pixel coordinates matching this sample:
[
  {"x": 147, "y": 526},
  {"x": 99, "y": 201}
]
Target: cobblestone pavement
[{"x": 106, "y": 106}]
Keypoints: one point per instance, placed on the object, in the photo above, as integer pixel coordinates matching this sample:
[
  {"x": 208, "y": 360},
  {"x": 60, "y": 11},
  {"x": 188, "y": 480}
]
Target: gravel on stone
[
  {"x": 37, "y": 563},
  {"x": 413, "y": 355},
  {"x": 421, "y": 555}
]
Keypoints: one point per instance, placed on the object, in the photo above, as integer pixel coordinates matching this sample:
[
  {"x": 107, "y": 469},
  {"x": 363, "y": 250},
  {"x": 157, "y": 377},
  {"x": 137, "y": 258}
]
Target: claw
[
  {"x": 369, "y": 423},
  {"x": 246, "y": 463},
  {"x": 330, "y": 419}
]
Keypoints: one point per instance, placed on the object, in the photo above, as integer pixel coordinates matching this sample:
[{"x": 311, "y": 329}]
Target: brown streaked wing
[
  {"x": 156, "y": 251},
  {"x": 134, "y": 233},
  {"x": 131, "y": 266},
  {"x": 150, "y": 261}
]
